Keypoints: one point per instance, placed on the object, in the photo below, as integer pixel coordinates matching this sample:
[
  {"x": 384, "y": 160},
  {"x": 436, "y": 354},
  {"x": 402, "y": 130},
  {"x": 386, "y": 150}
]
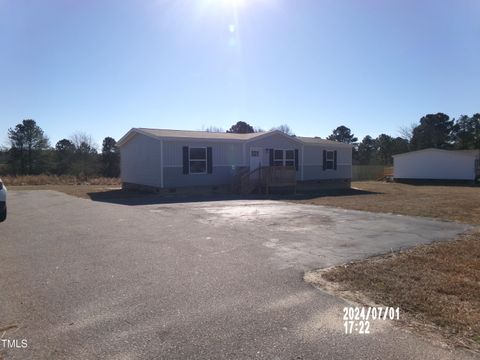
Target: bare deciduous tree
[
  {"x": 214, "y": 129},
  {"x": 82, "y": 139},
  {"x": 285, "y": 129},
  {"x": 406, "y": 132}
]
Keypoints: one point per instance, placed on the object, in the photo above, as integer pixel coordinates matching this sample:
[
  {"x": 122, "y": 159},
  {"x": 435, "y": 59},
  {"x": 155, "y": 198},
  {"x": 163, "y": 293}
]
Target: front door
[{"x": 255, "y": 158}]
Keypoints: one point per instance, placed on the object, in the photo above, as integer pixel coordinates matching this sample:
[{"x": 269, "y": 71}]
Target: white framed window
[
  {"x": 330, "y": 160},
  {"x": 278, "y": 158},
  {"x": 289, "y": 158},
  {"x": 284, "y": 158},
  {"x": 197, "y": 160},
  {"x": 255, "y": 153}
]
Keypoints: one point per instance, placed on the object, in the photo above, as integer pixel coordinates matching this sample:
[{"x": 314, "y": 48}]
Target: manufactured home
[
  {"x": 169, "y": 159},
  {"x": 437, "y": 164}
]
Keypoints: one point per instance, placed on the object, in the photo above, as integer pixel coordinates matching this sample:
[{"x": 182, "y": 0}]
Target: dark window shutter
[
  {"x": 209, "y": 160},
  {"x": 271, "y": 157},
  {"x": 296, "y": 159},
  {"x": 185, "y": 160},
  {"x": 324, "y": 159},
  {"x": 335, "y": 160}
]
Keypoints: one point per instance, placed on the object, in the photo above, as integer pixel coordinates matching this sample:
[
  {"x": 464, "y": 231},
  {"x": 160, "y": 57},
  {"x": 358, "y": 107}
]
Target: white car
[{"x": 3, "y": 202}]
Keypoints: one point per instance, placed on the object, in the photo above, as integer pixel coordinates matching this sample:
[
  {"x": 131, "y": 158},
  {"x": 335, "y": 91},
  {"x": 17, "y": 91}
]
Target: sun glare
[
  {"x": 237, "y": 4},
  {"x": 228, "y": 3}
]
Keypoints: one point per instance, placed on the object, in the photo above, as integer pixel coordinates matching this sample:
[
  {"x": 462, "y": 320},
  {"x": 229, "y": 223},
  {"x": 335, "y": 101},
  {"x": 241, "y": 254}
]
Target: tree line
[
  {"x": 432, "y": 131},
  {"x": 30, "y": 153}
]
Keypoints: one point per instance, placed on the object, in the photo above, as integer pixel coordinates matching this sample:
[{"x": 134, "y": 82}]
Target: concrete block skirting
[
  {"x": 139, "y": 187},
  {"x": 211, "y": 189},
  {"x": 329, "y": 184},
  {"x": 302, "y": 186}
]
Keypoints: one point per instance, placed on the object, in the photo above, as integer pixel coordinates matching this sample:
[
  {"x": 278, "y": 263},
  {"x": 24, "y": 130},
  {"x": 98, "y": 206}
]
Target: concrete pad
[{"x": 310, "y": 236}]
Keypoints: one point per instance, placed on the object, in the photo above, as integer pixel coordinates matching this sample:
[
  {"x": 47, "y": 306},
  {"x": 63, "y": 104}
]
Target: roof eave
[
  {"x": 132, "y": 132},
  {"x": 329, "y": 143},
  {"x": 269, "y": 133},
  {"x": 471, "y": 154}
]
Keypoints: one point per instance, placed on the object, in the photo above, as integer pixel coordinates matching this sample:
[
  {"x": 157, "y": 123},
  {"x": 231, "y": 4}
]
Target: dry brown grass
[
  {"x": 455, "y": 203},
  {"x": 435, "y": 284},
  {"x": 28, "y": 180},
  {"x": 81, "y": 191}
]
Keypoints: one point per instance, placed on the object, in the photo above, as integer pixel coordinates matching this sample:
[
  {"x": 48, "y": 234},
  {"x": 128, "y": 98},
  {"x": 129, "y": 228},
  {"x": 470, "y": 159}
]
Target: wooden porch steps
[{"x": 264, "y": 178}]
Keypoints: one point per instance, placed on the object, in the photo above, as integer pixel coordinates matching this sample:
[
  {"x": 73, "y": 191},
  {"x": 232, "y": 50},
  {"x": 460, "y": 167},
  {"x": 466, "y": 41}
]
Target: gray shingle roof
[
  {"x": 319, "y": 141},
  {"x": 168, "y": 133},
  {"x": 198, "y": 134}
]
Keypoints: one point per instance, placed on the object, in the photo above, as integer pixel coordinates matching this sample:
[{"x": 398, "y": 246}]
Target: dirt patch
[
  {"x": 436, "y": 286},
  {"x": 8, "y": 327},
  {"x": 455, "y": 203}
]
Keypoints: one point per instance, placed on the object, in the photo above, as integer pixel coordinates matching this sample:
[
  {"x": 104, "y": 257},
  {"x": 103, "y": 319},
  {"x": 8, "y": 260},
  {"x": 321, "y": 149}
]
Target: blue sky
[{"x": 102, "y": 67}]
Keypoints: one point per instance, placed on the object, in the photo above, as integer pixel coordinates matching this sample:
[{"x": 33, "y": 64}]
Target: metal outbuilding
[{"x": 437, "y": 164}]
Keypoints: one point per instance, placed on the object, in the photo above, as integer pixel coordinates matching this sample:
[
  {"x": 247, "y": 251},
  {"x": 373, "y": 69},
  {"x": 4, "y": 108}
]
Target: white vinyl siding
[
  {"x": 313, "y": 162},
  {"x": 224, "y": 154},
  {"x": 141, "y": 161},
  {"x": 142, "y": 158}
]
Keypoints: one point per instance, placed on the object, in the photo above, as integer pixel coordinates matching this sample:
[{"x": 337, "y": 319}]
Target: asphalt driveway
[{"x": 84, "y": 280}]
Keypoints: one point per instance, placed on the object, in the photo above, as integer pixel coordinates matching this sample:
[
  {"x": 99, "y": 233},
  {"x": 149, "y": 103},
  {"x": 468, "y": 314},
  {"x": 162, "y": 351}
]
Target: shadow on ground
[
  {"x": 124, "y": 197},
  {"x": 433, "y": 182}
]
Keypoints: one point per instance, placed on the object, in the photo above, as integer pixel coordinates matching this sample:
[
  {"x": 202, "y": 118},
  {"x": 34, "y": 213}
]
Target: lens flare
[{"x": 227, "y": 3}]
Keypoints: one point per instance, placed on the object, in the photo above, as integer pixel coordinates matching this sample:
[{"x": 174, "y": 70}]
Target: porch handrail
[{"x": 265, "y": 177}]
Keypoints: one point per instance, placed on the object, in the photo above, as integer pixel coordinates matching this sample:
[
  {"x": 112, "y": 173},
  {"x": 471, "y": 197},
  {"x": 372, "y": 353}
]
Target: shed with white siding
[
  {"x": 161, "y": 158},
  {"x": 437, "y": 164}
]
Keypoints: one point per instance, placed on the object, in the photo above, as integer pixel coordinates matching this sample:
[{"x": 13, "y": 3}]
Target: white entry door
[{"x": 255, "y": 158}]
